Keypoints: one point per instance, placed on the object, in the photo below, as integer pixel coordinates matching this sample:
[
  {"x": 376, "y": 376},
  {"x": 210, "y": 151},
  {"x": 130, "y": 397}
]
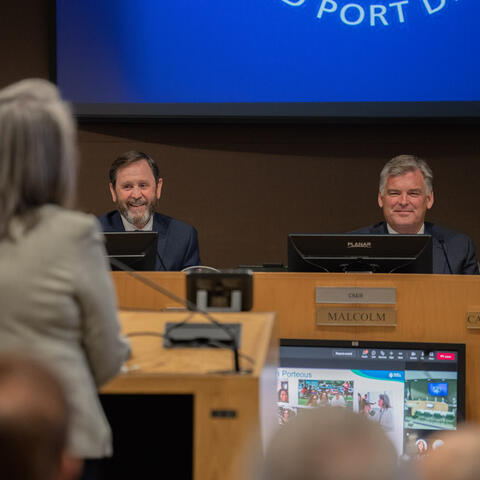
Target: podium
[
  {"x": 429, "y": 308},
  {"x": 230, "y": 411}
]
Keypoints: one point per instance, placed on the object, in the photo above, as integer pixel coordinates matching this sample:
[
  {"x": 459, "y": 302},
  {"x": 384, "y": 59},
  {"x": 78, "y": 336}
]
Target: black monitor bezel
[
  {"x": 137, "y": 250},
  {"x": 458, "y": 348},
  {"x": 410, "y": 260}
]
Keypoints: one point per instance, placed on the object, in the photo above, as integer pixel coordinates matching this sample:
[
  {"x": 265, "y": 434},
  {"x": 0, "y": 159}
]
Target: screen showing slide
[
  {"x": 269, "y": 55},
  {"x": 412, "y": 392}
]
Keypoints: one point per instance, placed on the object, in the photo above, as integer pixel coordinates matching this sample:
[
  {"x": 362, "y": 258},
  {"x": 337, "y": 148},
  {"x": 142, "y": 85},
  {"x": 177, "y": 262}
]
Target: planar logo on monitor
[
  {"x": 359, "y": 244},
  {"x": 371, "y": 12}
]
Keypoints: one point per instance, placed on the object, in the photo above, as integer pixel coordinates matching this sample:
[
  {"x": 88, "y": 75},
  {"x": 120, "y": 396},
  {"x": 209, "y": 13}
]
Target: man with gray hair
[{"x": 405, "y": 194}]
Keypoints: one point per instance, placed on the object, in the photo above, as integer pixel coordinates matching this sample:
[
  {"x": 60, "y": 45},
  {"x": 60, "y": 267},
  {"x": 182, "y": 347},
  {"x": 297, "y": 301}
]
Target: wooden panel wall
[
  {"x": 246, "y": 186},
  {"x": 429, "y": 308}
]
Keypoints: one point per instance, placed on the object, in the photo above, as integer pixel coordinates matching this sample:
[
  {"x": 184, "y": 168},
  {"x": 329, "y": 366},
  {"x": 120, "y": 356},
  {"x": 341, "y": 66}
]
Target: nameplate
[
  {"x": 381, "y": 295},
  {"x": 367, "y": 317},
  {"x": 473, "y": 319}
]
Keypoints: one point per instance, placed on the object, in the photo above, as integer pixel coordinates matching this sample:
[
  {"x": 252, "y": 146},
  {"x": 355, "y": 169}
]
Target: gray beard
[{"x": 138, "y": 220}]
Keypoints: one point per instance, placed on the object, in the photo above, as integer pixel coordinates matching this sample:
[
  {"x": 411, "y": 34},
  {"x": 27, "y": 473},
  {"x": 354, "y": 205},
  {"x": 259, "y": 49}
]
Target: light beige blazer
[{"x": 57, "y": 303}]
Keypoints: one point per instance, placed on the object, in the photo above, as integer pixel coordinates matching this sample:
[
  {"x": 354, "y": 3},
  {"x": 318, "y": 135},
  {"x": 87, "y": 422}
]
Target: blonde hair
[{"x": 38, "y": 155}]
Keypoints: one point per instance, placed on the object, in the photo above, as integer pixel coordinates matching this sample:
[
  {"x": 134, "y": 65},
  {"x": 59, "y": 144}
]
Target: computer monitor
[
  {"x": 320, "y": 252},
  {"x": 414, "y": 390},
  {"x": 137, "y": 250}
]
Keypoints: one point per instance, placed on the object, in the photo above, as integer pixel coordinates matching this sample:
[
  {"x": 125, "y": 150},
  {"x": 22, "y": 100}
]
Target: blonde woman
[{"x": 56, "y": 295}]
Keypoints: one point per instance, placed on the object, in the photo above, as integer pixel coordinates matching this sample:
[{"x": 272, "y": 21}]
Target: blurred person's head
[
  {"x": 37, "y": 151},
  {"x": 329, "y": 444},
  {"x": 457, "y": 459},
  {"x": 34, "y": 421}
]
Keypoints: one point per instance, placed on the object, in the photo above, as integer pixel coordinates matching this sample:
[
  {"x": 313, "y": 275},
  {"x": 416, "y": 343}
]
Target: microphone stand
[
  {"x": 185, "y": 302},
  {"x": 444, "y": 250}
]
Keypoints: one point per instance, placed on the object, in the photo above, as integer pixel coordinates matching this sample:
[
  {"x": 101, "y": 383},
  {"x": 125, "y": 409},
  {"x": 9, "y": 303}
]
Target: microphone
[
  {"x": 187, "y": 303},
  {"x": 161, "y": 261},
  {"x": 441, "y": 240}
]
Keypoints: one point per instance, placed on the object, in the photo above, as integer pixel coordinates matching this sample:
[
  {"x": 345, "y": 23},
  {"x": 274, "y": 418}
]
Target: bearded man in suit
[{"x": 136, "y": 186}]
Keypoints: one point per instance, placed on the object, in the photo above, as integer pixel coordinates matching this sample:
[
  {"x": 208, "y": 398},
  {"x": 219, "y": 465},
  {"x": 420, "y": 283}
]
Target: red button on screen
[{"x": 445, "y": 356}]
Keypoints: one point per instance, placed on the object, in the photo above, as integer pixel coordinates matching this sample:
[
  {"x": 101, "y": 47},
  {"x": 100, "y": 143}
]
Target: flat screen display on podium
[
  {"x": 413, "y": 390},
  {"x": 137, "y": 250},
  {"x": 323, "y": 252}
]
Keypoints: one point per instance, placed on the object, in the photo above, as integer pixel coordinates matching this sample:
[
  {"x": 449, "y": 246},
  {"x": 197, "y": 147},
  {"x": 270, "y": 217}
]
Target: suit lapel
[
  {"x": 159, "y": 225},
  {"x": 116, "y": 223},
  {"x": 380, "y": 228}
]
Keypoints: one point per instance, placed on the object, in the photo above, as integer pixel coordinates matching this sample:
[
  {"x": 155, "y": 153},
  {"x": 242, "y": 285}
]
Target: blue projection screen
[{"x": 269, "y": 58}]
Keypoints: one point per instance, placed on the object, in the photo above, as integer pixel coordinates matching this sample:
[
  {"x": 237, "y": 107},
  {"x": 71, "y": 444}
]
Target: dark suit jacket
[
  {"x": 177, "y": 241},
  {"x": 459, "y": 248}
]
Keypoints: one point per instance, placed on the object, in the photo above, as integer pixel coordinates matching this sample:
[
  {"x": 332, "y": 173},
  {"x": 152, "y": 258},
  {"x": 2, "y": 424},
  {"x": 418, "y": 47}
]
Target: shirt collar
[
  {"x": 420, "y": 232},
  {"x": 130, "y": 227}
]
